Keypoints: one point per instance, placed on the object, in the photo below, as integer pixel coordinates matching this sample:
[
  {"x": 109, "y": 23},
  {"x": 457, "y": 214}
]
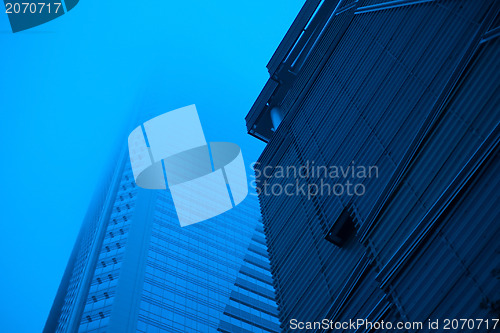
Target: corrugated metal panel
[
  {"x": 458, "y": 263},
  {"x": 372, "y": 81},
  {"x": 292, "y": 34},
  {"x": 468, "y": 119}
]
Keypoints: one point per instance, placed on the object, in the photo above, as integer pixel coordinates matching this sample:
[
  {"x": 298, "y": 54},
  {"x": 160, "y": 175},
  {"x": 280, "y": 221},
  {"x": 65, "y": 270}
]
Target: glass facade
[
  {"x": 134, "y": 269},
  {"x": 192, "y": 271},
  {"x": 102, "y": 291}
]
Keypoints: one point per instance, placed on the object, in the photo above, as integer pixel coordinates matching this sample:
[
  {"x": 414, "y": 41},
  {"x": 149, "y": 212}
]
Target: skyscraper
[
  {"x": 134, "y": 269},
  {"x": 411, "y": 91}
]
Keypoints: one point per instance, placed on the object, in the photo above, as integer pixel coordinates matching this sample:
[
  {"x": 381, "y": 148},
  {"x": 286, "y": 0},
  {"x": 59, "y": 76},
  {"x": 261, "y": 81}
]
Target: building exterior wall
[
  {"x": 134, "y": 269},
  {"x": 408, "y": 87}
]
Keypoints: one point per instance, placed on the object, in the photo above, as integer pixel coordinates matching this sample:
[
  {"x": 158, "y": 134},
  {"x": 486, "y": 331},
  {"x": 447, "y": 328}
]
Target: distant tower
[{"x": 134, "y": 269}]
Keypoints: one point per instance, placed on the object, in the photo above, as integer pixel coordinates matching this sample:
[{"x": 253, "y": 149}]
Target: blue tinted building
[
  {"x": 134, "y": 269},
  {"x": 413, "y": 89}
]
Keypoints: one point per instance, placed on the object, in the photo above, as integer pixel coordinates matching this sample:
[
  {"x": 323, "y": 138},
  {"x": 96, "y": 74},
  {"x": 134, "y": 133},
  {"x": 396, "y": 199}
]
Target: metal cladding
[{"x": 411, "y": 87}]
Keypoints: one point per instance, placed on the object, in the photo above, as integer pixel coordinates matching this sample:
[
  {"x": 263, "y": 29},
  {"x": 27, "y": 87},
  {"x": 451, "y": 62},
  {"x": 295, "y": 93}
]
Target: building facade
[
  {"x": 391, "y": 110},
  {"x": 134, "y": 269}
]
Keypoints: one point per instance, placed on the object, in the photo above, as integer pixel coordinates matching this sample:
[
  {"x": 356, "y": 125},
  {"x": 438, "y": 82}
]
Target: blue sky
[{"x": 68, "y": 90}]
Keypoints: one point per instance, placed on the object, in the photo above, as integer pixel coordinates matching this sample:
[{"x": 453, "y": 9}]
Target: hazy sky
[{"x": 69, "y": 89}]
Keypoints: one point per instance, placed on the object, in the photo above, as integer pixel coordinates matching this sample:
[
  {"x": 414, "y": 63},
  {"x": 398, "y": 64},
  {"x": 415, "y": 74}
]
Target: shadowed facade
[{"x": 411, "y": 87}]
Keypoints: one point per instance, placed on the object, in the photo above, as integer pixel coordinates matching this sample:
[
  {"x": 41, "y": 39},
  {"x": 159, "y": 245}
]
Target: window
[
  {"x": 111, "y": 234},
  {"x": 103, "y": 264},
  {"x": 118, "y": 209},
  {"x": 89, "y": 319},
  {"x": 106, "y": 295},
  {"x": 101, "y": 314},
  {"x": 115, "y": 261},
  {"x": 94, "y": 299},
  {"x": 342, "y": 229},
  {"x": 122, "y": 232},
  {"x": 108, "y": 249},
  {"x": 99, "y": 280},
  {"x": 110, "y": 277},
  {"x": 118, "y": 245}
]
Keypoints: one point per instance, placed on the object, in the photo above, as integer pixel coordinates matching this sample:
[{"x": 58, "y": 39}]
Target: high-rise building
[
  {"x": 379, "y": 182},
  {"x": 134, "y": 269}
]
